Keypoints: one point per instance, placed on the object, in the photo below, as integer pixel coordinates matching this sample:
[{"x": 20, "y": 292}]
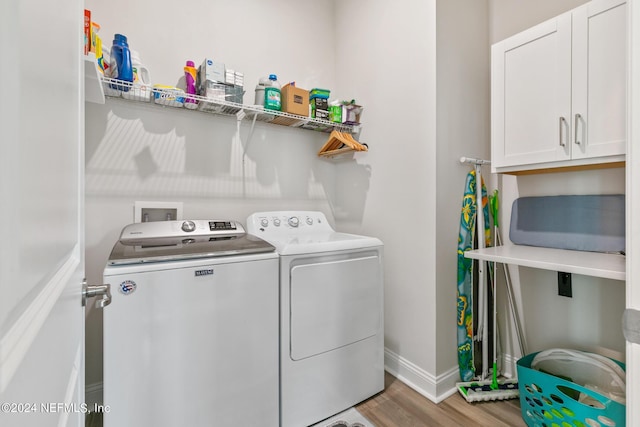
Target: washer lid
[{"x": 178, "y": 240}]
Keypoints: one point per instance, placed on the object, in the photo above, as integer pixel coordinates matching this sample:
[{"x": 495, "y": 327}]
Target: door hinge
[
  {"x": 103, "y": 291},
  {"x": 631, "y": 325}
]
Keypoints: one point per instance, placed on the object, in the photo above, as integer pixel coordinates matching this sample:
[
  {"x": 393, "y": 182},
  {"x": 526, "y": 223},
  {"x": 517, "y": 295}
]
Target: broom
[{"x": 479, "y": 391}]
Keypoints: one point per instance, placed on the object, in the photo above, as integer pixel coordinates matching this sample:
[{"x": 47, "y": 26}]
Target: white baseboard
[
  {"x": 509, "y": 368},
  {"x": 436, "y": 389},
  {"x": 93, "y": 394}
]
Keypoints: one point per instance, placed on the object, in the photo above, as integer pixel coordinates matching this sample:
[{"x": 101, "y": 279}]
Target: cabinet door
[
  {"x": 531, "y": 95},
  {"x": 599, "y": 79}
]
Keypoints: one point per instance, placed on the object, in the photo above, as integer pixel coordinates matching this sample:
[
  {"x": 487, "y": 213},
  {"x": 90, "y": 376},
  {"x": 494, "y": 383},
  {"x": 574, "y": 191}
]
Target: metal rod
[
  {"x": 474, "y": 161},
  {"x": 483, "y": 303}
]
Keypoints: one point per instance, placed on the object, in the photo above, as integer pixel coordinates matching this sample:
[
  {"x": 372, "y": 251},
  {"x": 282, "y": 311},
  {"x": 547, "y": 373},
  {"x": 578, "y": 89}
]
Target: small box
[
  {"x": 210, "y": 72},
  {"x": 352, "y": 114},
  {"x": 295, "y": 100},
  {"x": 320, "y": 104},
  {"x": 322, "y": 114},
  {"x": 214, "y": 91},
  {"x": 336, "y": 113},
  {"x": 230, "y": 77},
  {"x": 87, "y": 31},
  {"x": 319, "y": 108},
  {"x": 239, "y": 78},
  {"x": 234, "y": 93}
]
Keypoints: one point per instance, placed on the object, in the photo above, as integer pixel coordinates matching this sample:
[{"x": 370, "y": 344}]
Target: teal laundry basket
[{"x": 550, "y": 401}]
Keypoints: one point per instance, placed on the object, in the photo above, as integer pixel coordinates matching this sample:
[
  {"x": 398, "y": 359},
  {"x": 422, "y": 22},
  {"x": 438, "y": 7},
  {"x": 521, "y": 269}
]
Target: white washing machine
[
  {"x": 331, "y": 315},
  {"x": 191, "y": 334}
]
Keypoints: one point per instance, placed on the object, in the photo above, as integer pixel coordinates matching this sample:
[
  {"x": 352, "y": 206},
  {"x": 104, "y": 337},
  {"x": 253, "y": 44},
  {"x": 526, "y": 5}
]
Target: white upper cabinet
[
  {"x": 599, "y": 74},
  {"x": 559, "y": 91}
]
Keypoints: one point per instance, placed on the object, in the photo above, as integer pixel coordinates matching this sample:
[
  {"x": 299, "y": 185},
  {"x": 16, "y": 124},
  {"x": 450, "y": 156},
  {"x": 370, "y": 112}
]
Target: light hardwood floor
[{"x": 400, "y": 406}]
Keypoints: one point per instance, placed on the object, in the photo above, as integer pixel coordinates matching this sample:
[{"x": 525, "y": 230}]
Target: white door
[
  {"x": 599, "y": 79},
  {"x": 633, "y": 204},
  {"x": 531, "y": 95},
  {"x": 41, "y": 215}
]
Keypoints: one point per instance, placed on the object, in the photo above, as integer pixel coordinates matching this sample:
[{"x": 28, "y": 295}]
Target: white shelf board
[
  {"x": 93, "y": 91},
  {"x": 609, "y": 266}
]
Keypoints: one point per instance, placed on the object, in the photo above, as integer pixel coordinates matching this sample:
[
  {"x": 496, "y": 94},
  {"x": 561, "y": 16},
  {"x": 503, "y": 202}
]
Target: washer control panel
[
  {"x": 287, "y": 223},
  {"x": 196, "y": 227}
]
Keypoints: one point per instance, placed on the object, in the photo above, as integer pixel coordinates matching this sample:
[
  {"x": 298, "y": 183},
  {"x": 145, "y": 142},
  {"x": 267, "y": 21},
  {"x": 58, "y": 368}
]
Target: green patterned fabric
[{"x": 465, "y": 274}]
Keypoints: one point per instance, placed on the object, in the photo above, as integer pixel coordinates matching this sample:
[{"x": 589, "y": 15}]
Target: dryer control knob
[
  {"x": 264, "y": 222},
  {"x": 293, "y": 221},
  {"x": 309, "y": 221},
  {"x": 276, "y": 222},
  {"x": 188, "y": 226}
]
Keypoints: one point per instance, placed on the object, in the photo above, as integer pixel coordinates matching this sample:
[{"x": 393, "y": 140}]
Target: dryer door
[{"x": 334, "y": 303}]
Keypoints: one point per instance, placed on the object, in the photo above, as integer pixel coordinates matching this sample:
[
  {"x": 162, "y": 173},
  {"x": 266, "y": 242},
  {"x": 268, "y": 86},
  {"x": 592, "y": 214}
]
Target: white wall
[
  {"x": 420, "y": 68},
  {"x": 387, "y": 58},
  {"x": 137, "y": 152},
  {"x": 508, "y": 17},
  {"x": 463, "y": 101},
  {"x": 591, "y": 319},
  {"x": 432, "y": 81}
]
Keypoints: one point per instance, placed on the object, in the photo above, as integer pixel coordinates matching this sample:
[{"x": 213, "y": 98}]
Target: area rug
[{"x": 349, "y": 418}]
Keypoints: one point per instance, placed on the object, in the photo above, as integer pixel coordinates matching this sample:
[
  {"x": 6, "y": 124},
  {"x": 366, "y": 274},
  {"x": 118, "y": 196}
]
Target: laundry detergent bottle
[
  {"x": 190, "y": 74},
  {"x": 272, "y": 95},
  {"x": 122, "y": 68},
  {"x": 141, "y": 90}
]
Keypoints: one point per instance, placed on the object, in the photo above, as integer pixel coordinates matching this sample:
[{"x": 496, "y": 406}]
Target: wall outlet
[
  {"x": 564, "y": 284},
  {"x": 157, "y": 211}
]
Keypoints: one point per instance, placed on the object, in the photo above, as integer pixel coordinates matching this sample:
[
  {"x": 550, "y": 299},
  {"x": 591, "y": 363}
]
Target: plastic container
[
  {"x": 319, "y": 93},
  {"x": 272, "y": 95},
  {"x": 259, "y": 100},
  {"x": 96, "y": 47},
  {"x": 141, "y": 90},
  {"x": 168, "y": 95},
  {"x": 263, "y": 83},
  {"x": 121, "y": 66},
  {"x": 550, "y": 400},
  {"x": 190, "y": 74},
  {"x": 140, "y": 72}
]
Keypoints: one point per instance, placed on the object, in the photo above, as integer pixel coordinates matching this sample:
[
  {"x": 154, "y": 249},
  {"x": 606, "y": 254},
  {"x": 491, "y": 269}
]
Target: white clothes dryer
[
  {"x": 331, "y": 314},
  {"x": 191, "y": 335}
]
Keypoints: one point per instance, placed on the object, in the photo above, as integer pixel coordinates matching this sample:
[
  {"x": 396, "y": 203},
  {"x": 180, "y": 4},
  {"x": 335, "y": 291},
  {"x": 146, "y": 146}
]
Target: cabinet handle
[
  {"x": 575, "y": 128},
  {"x": 563, "y": 121}
]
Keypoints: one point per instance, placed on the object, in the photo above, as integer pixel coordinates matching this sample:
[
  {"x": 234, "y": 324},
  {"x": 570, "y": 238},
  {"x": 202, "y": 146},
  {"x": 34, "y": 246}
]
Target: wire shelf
[{"x": 168, "y": 97}]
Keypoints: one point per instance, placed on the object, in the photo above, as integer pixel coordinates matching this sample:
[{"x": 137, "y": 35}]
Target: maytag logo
[{"x": 204, "y": 272}]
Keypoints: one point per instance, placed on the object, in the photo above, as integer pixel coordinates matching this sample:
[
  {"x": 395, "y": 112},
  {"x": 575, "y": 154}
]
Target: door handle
[
  {"x": 575, "y": 128},
  {"x": 631, "y": 325},
  {"x": 103, "y": 291},
  {"x": 563, "y": 121}
]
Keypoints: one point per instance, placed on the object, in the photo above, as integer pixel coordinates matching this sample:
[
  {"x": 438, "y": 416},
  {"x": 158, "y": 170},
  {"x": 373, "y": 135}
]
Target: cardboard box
[
  {"x": 210, "y": 72},
  {"x": 345, "y": 113},
  {"x": 295, "y": 100},
  {"x": 87, "y": 31},
  {"x": 352, "y": 115}
]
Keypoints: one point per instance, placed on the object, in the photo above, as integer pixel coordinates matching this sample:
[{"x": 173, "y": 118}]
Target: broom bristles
[{"x": 482, "y": 391}]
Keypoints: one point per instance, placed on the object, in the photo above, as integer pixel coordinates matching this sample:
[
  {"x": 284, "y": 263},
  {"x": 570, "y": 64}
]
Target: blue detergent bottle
[{"x": 122, "y": 68}]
